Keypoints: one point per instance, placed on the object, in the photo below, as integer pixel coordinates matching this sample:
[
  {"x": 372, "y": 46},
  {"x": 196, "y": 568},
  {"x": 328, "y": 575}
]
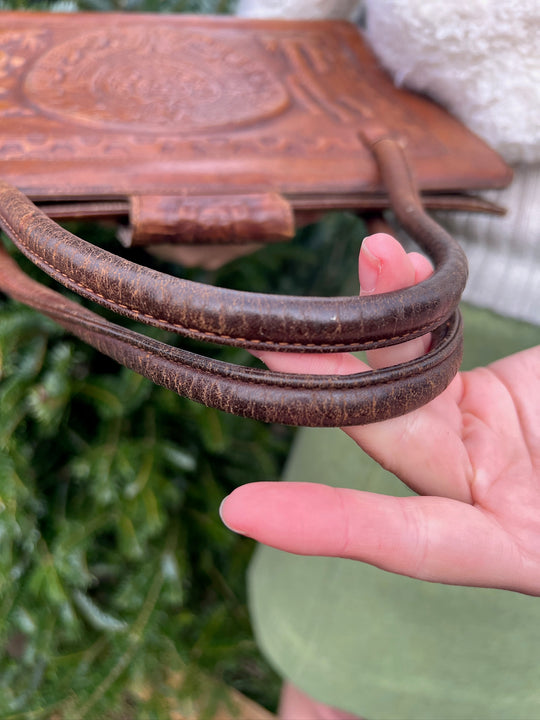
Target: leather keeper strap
[
  {"x": 213, "y": 219},
  {"x": 253, "y": 320},
  {"x": 308, "y": 400}
]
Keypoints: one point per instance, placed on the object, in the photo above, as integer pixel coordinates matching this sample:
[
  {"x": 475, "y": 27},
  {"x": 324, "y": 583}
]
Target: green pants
[{"x": 385, "y": 646}]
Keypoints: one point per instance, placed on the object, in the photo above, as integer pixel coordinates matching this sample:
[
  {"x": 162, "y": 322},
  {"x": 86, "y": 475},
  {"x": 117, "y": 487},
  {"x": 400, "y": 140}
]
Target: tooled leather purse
[{"x": 221, "y": 130}]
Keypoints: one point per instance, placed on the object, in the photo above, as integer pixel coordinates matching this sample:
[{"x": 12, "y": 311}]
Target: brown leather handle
[
  {"x": 253, "y": 320},
  {"x": 308, "y": 400}
]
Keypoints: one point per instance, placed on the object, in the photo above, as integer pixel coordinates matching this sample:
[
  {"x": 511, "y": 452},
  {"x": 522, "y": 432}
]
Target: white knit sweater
[{"x": 481, "y": 59}]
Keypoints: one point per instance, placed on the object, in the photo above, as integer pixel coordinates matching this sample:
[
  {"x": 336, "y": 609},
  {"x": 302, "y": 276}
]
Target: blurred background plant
[{"x": 121, "y": 593}]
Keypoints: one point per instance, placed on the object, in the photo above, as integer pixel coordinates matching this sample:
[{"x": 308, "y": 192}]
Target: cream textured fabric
[
  {"x": 504, "y": 253},
  {"x": 299, "y": 9},
  {"x": 481, "y": 59}
]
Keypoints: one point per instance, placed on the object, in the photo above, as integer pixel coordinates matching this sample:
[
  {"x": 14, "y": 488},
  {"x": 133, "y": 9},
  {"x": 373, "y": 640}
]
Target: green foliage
[
  {"x": 210, "y": 7},
  {"x": 116, "y": 573},
  {"x": 112, "y": 549},
  {"x": 121, "y": 592}
]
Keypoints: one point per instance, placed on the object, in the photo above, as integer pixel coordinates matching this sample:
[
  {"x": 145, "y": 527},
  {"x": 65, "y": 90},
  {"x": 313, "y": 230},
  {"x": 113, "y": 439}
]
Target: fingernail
[
  {"x": 227, "y": 525},
  {"x": 221, "y": 512},
  {"x": 368, "y": 270}
]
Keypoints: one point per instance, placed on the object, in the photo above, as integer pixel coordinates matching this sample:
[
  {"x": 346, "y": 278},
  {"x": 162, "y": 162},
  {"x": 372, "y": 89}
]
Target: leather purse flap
[{"x": 121, "y": 105}]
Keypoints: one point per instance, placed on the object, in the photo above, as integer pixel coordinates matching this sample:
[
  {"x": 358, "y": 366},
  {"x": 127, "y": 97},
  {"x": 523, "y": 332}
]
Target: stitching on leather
[{"x": 196, "y": 331}]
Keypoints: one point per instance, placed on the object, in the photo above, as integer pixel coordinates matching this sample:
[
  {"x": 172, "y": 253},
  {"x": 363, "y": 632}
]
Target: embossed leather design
[
  {"x": 189, "y": 120},
  {"x": 108, "y": 105}
]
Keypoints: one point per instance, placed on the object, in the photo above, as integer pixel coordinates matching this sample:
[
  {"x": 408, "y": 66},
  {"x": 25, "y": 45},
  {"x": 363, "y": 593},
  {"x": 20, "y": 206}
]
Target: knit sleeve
[
  {"x": 482, "y": 62},
  {"x": 504, "y": 252}
]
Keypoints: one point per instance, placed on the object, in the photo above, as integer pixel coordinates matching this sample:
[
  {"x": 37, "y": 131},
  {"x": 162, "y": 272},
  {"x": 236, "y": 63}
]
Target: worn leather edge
[
  {"x": 304, "y": 208},
  {"x": 308, "y": 400},
  {"x": 225, "y": 316}
]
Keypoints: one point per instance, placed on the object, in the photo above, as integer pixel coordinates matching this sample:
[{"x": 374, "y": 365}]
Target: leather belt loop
[
  {"x": 308, "y": 400},
  {"x": 208, "y": 219}
]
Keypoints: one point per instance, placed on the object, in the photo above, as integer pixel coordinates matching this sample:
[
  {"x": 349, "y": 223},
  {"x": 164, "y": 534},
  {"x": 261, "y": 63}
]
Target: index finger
[{"x": 423, "y": 448}]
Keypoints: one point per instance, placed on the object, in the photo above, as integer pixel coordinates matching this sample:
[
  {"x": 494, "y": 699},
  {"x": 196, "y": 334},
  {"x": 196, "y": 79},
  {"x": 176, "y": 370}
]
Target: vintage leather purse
[{"x": 221, "y": 130}]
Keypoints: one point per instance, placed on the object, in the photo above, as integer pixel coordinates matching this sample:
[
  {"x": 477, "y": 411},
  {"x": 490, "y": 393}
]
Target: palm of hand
[{"x": 472, "y": 455}]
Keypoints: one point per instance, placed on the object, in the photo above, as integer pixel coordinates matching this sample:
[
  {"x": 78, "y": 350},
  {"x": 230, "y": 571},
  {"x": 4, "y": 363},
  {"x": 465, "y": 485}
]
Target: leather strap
[
  {"x": 254, "y": 320},
  {"x": 121, "y": 210},
  {"x": 308, "y": 400}
]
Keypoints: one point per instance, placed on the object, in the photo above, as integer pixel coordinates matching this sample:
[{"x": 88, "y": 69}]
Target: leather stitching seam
[{"x": 196, "y": 331}]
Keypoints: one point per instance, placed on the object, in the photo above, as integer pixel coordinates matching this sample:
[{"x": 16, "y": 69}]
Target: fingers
[
  {"x": 383, "y": 266},
  {"x": 311, "y": 363},
  {"x": 424, "y": 448},
  {"x": 429, "y": 538}
]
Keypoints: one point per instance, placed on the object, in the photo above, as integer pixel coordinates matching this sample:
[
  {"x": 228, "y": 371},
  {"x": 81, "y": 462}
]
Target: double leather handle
[
  {"x": 254, "y": 320},
  {"x": 309, "y": 400}
]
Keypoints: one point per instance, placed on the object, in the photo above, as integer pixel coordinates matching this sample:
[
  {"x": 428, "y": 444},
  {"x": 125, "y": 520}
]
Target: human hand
[{"x": 472, "y": 455}]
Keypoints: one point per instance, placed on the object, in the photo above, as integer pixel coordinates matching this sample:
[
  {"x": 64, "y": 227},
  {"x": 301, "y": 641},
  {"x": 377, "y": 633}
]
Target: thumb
[{"x": 429, "y": 538}]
